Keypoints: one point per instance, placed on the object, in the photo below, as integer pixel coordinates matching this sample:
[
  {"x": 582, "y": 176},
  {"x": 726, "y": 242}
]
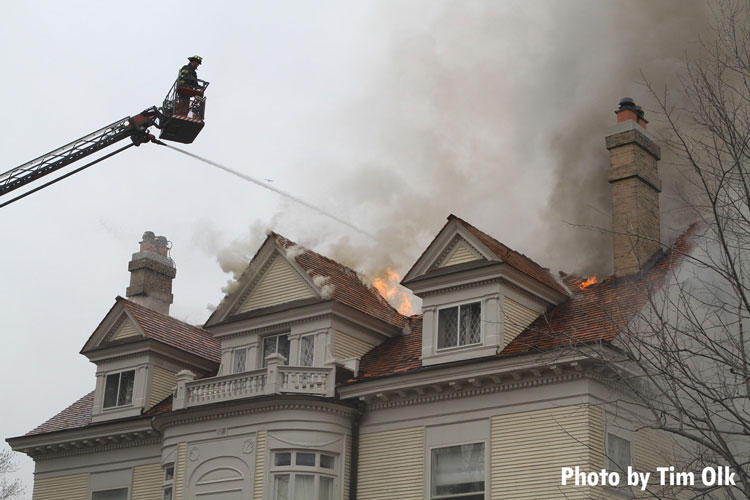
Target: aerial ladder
[{"x": 180, "y": 119}]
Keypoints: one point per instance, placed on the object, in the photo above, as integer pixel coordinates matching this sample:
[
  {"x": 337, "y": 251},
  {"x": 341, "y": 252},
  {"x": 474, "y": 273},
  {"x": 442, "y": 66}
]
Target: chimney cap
[{"x": 627, "y": 104}]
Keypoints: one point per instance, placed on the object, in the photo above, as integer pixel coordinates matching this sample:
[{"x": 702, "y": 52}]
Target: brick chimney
[
  {"x": 151, "y": 274},
  {"x": 634, "y": 179}
]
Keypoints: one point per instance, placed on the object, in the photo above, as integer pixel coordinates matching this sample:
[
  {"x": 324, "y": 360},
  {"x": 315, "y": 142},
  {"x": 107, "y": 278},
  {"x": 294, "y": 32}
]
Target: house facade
[{"x": 306, "y": 384}]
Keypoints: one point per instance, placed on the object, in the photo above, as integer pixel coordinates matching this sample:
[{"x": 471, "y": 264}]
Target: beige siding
[
  {"x": 162, "y": 383},
  {"x": 347, "y": 465},
  {"x": 529, "y": 449},
  {"x": 461, "y": 253},
  {"x": 147, "y": 482},
  {"x": 73, "y": 487},
  {"x": 650, "y": 449},
  {"x": 391, "y": 465},
  {"x": 179, "y": 471},
  {"x": 349, "y": 347},
  {"x": 126, "y": 329},
  {"x": 281, "y": 283},
  {"x": 516, "y": 317},
  {"x": 260, "y": 462}
]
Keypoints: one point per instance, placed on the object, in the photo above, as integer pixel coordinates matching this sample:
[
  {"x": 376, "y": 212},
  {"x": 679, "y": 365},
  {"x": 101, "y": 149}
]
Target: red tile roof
[
  {"x": 174, "y": 332},
  {"x": 512, "y": 258},
  {"x": 74, "y": 416},
  {"x": 594, "y": 314},
  {"x": 348, "y": 288}
]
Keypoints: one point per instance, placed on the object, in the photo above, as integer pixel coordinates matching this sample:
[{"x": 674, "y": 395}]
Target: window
[
  {"x": 307, "y": 350},
  {"x": 303, "y": 475},
  {"x": 457, "y": 472},
  {"x": 118, "y": 494},
  {"x": 168, "y": 487},
  {"x": 276, "y": 343},
  {"x": 239, "y": 357},
  {"x": 118, "y": 389},
  {"x": 618, "y": 453},
  {"x": 460, "y": 325}
]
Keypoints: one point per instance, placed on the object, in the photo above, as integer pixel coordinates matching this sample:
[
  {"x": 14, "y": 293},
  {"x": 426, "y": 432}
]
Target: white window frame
[
  {"x": 264, "y": 354},
  {"x": 299, "y": 356},
  {"x": 458, "y": 336},
  {"x": 127, "y": 490},
  {"x": 292, "y": 470},
  {"x": 119, "y": 386},
  {"x": 485, "y": 449},
  {"x": 168, "y": 482}
]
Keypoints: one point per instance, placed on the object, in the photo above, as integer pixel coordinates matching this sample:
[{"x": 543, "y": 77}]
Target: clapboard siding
[
  {"x": 651, "y": 449},
  {"x": 179, "y": 471},
  {"x": 281, "y": 283},
  {"x": 347, "y": 346},
  {"x": 391, "y": 465},
  {"x": 125, "y": 330},
  {"x": 260, "y": 462},
  {"x": 347, "y": 465},
  {"x": 516, "y": 318},
  {"x": 461, "y": 253},
  {"x": 528, "y": 450},
  {"x": 72, "y": 487},
  {"x": 162, "y": 383},
  {"x": 147, "y": 482}
]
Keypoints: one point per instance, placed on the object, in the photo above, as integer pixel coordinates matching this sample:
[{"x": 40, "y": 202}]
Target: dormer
[
  {"x": 137, "y": 348},
  {"x": 310, "y": 309},
  {"x": 477, "y": 294}
]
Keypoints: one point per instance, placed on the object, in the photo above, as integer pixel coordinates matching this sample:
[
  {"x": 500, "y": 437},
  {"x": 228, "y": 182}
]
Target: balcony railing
[{"x": 275, "y": 379}]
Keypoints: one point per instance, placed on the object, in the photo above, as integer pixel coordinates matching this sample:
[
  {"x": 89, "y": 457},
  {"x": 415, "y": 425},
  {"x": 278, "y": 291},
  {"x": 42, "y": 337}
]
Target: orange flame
[
  {"x": 587, "y": 283},
  {"x": 388, "y": 286}
]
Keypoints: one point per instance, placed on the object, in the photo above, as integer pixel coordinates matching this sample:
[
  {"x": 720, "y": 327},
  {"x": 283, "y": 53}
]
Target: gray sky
[{"x": 390, "y": 114}]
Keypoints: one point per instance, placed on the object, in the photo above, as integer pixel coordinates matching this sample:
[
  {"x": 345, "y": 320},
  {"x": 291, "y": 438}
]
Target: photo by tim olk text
[{"x": 710, "y": 476}]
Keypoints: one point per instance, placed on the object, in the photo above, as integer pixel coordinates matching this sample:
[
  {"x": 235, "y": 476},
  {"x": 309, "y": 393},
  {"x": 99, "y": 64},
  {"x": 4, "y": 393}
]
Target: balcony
[{"x": 276, "y": 378}]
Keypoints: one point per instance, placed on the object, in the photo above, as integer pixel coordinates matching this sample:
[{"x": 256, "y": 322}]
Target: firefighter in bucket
[{"x": 188, "y": 85}]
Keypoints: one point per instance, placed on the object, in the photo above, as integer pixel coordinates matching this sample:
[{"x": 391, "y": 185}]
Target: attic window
[
  {"x": 118, "y": 390},
  {"x": 460, "y": 325}
]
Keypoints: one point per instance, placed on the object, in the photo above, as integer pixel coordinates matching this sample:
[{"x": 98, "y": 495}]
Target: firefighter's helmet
[{"x": 198, "y": 59}]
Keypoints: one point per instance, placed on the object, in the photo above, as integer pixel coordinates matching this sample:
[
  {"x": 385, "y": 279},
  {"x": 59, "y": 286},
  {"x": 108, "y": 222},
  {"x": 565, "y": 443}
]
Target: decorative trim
[
  {"x": 477, "y": 391},
  {"x": 457, "y": 238},
  {"x": 31, "y": 451},
  {"x": 462, "y": 286},
  {"x": 220, "y": 413},
  {"x": 276, "y": 326},
  {"x": 305, "y": 445}
]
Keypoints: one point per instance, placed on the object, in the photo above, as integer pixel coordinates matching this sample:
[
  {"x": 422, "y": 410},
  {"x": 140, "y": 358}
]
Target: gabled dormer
[
  {"x": 295, "y": 302},
  {"x": 477, "y": 294},
  {"x": 137, "y": 348}
]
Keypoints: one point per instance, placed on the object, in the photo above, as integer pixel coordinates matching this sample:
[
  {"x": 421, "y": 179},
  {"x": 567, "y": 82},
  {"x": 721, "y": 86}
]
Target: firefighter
[{"x": 188, "y": 85}]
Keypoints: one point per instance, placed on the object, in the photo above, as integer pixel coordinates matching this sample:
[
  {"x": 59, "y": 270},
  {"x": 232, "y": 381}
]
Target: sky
[{"x": 390, "y": 114}]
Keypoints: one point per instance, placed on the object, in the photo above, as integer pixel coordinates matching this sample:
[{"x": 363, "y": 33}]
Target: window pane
[
  {"x": 471, "y": 323},
  {"x": 618, "y": 453},
  {"x": 169, "y": 472},
  {"x": 307, "y": 350},
  {"x": 458, "y": 469},
  {"x": 307, "y": 459},
  {"x": 125, "y": 396},
  {"x": 326, "y": 461},
  {"x": 284, "y": 347},
  {"x": 281, "y": 487},
  {"x": 282, "y": 459},
  {"x": 269, "y": 347},
  {"x": 447, "y": 327},
  {"x": 110, "y": 390},
  {"x": 168, "y": 493},
  {"x": 118, "y": 494},
  {"x": 238, "y": 360},
  {"x": 325, "y": 490},
  {"x": 304, "y": 487}
]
